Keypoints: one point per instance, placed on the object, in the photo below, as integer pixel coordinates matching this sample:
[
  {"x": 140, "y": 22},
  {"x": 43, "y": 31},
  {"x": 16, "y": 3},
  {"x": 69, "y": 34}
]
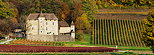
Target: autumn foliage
[
  {"x": 148, "y": 32},
  {"x": 36, "y": 42}
]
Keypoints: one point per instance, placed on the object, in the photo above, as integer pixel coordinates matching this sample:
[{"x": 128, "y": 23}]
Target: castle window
[
  {"x": 32, "y": 28},
  {"x": 53, "y": 23},
  {"x": 46, "y": 23},
  {"x": 41, "y": 31},
  {"x": 46, "y": 28}
]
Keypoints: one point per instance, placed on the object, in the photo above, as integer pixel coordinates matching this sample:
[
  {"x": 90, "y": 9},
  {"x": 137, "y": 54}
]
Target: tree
[
  {"x": 8, "y": 14},
  {"x": 7, "y": 10},
  {"x": 90, "y": 8},
  {"x": 76, "y": 9},
  {"x": 148, "y": 33},
  {"x": 82, "y": 22}
]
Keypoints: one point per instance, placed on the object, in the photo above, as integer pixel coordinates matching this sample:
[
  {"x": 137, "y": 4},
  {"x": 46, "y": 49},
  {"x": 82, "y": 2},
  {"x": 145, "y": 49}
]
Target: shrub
[{"x": 79, "y": 36}]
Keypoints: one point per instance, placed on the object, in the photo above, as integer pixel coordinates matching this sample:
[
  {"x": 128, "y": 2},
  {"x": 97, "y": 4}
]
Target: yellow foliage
[
  {"x": 152, "y": 38},
  {"x": 99, "y": 2},
  {"x": 149, "y": 33},
  {"x": 63, "y": 16}
]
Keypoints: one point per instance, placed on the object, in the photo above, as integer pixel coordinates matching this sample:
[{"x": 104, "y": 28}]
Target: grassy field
[{"x": 2, "y": 41}]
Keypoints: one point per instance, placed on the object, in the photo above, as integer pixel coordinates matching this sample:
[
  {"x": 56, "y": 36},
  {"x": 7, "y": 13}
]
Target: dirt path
[
  {"x": 6, "y": 41},
  {"x": 141, "y": 52}
]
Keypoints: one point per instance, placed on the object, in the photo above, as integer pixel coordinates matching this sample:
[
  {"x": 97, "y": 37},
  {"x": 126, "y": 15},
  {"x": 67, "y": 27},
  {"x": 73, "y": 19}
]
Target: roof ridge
[{"x": 47, "y": 15}]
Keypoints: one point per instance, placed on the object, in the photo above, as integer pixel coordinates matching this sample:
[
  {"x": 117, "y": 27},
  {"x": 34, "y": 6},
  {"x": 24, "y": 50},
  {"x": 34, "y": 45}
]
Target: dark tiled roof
[
  {"x": 63, "y": 24},
  {"x": 46, "y": 15}
]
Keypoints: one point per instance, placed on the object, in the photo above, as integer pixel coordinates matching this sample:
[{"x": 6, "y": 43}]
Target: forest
[
  {"x": 13, "y": 13},
  {"x": 91, "y": 28}
]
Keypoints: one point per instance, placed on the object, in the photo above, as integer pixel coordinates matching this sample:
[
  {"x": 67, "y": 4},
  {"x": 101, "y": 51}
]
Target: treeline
[
  {"x": 80, "y": 11},
  {"x": 125, "y": 3},
  {"x": 8, "y": 17}
]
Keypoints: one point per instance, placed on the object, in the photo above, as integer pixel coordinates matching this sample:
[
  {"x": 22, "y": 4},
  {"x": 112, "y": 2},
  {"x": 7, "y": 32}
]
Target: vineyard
[
  {"x": 117, "y": 32},
  {"x": 22, "y": 48}
]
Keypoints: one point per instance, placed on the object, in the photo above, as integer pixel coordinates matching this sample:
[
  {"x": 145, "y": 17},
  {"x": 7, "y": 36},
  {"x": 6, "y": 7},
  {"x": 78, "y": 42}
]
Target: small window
[
  {"x": 41, "y": 31},
  {"x": 46, "y": 23},
  {"x": 53, "y": 23},
  {"x": 41, "y": 26},
  {"x": 53, "y": 33},
  {"x": 32, "y": 28},
  {"x": 46, "y": 28}
]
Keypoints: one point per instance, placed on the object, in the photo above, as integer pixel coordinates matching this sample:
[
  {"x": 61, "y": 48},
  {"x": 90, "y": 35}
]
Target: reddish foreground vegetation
[{"x": 22, "y": 48}]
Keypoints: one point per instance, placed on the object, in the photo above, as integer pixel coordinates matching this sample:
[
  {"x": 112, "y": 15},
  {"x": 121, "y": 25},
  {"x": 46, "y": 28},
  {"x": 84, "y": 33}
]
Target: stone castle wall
[{"x": 50, "y": 37}]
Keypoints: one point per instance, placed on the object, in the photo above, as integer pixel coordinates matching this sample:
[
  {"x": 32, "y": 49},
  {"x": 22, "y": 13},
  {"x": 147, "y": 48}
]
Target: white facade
[
  {"x": 72, "y": 30},
  {"x": 42, "y": 27},
  {"x": 64, "y": 30},
  {"x": 46, "y": 25}
]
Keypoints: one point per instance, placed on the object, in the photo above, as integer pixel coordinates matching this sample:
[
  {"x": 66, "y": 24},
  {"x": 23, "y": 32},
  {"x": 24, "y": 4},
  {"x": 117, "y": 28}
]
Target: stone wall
[
  {"x": 40, "y": 37},
  {"x": 65, "y": 38}
]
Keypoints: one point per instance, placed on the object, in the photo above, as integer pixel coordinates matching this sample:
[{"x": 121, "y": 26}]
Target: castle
[{"x": 46, "y": 27}]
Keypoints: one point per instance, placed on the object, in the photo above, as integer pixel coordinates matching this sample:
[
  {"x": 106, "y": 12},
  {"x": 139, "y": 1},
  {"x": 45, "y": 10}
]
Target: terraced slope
[{"x": 117, "y": 32}]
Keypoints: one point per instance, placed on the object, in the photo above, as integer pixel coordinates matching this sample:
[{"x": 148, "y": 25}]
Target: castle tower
[{"x": 72, "y": 30}]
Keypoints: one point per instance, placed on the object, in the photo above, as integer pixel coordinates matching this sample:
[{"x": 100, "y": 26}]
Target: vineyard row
[{"x": 117, "y": 32}]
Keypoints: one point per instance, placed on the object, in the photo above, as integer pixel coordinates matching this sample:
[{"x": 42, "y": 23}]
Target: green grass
[
  {"x": 20, "y": 38},
  {"x": 87, "y": 44},
  {"x": 2, "y": 41},
  {"x": 135, "y": 48}
]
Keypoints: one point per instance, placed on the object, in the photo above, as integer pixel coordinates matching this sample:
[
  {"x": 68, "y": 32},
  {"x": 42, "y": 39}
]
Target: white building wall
[
  {"x": 32, "y": 27},
  {"x": 73, "y": 35},
  {"x": 51, "y": 27},
  {"x": 64, "y": 30},
  {"x": 55, "y": 27},
  {"x": 41, "y": 25},
  {"x": 73, "y": 27},
  {"x": 73, "y": 31}
]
